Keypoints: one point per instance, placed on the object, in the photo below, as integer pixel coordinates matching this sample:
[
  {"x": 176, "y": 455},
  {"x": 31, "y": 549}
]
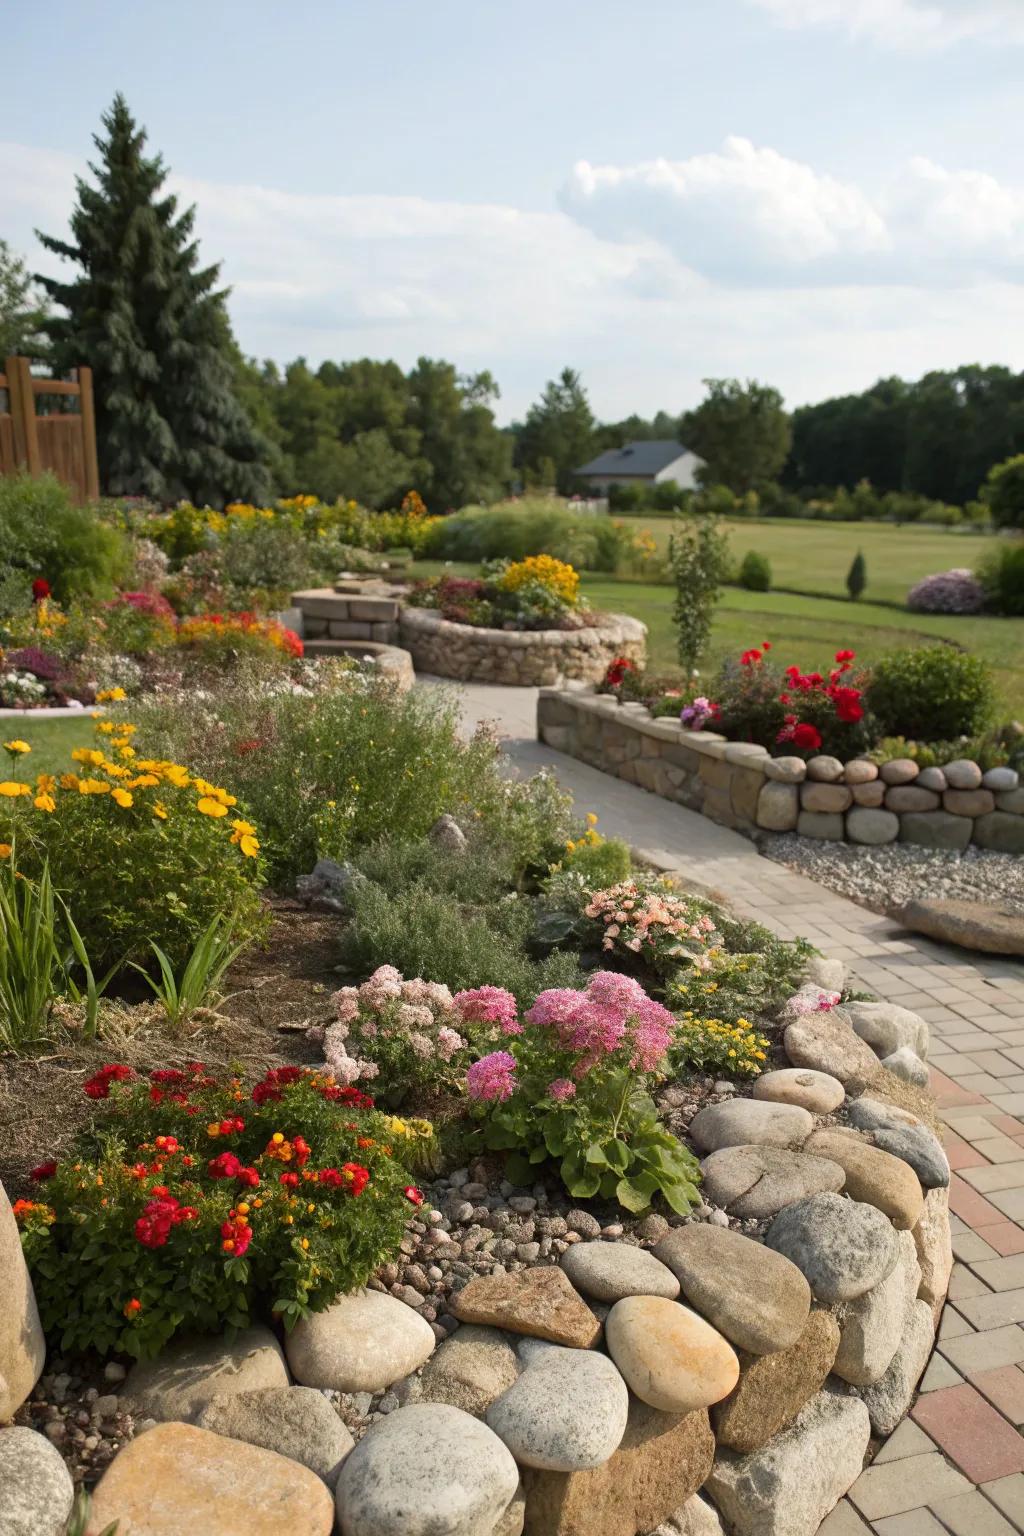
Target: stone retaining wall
[
  {"x": 742, "y": 786},
  {"x": 527, "y": 658},
  {"x": 331, "y": 615}
]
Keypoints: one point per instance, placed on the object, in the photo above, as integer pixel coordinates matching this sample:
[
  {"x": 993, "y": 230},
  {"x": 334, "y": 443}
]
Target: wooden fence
[{"x": 60, "y": 440}]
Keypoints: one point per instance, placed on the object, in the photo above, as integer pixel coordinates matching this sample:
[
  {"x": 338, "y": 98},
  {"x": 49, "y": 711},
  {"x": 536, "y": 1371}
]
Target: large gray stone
[
  {"x": 871, "y": 827},
  {"x": 906, "y": 1064},
  {"x": 22, "y": 1346},
  {"x": 918, "y": 1146},
  {"x": 778, "y": 806},
  {"x": 191, "y": 1371},
  {"x": 785, "y": 770},
  {"x": 887, "y": 1026},
  {"x": 985, "y": 926},
  {"x": 969, "y": 802},
  {"x": 825, "y": 825},
  {"x": 816, "y": 1092},
  {"x": 871, "y": 795},
  {"x": 872, "y": 1326},
  {"x": 826, "y": 1042},
  {"x": 36, "y": 1491},
  {"x": 695, "y": 1518},
  {"x": 773, "y": 1388},
  {"x": 911, "y": 797},
  {"x": 297, "y": 1422},
  {"x": 759, "y": 1300},
  {"x": 888, "y": 1400},
  {"x": 362, "y": 1343},
  {"x": 788, "y": 1487},
  {"x": 824, "y": 769},
  {"x": 1000, "y": 780},
  {"x": 841, "y": 1246},
  {"x": 823, "y": 972},
  {"x": 860, "y": 770},
  {"x": 962, "y": 773},
  {"x": 874, "y": 1176},
  {"x": 934, "y": 1244},
  {"x": 566, "y": 1412},
  {"x": 899, "y": 770},
  {"x": 469, "y": 1370},
  {"x": 759, "y": 1181},
  {"x": 426, "y": 1470},
  {"x": 869, "y": 1114},
  {"x": 935, "y": 829},
  {"x": 825, "y": 797},
  {"x": 750, "y": 1122},
  {"x": 609, "y": 1271}
]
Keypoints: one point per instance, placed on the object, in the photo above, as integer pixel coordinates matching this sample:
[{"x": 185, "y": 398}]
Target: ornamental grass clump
[
  {"x": 396, "y": 1031},
  {"x": 571, "y": 1084},
  {"x": 196, "y": 1206},
  {"x": 138, "y": 846}
]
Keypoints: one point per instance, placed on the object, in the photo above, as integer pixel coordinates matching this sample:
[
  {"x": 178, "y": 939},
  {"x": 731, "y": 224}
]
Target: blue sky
[{"x": 814, "y": 192}]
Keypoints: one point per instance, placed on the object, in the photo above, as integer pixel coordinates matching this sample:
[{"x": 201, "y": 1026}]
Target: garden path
[{"x": 956, "y": 1466}]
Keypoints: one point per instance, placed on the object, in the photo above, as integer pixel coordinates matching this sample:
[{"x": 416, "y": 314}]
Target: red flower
[
  {"x": 301, "y": 1150},
  {"x": 98, "y": 1086},
  {"x": 43, "y": 1171},
  {"x": 413, "y": 1194},
  {"x": 224, "y": 1166},
  {"x": 168, "y": 1075},
  {"x": 132, "y": 1307},
  {"x": 766, "y": 645},
  {"x": 845, "y": 655},
  {"x": 40, "y": 589},
  {"x": 290, "y": 1180},
  {"x": 329, "y": 1176},
  {"x": 356, "y": 1177},
  {"x": 750, "y": 658},
  {"x": 617, "y": 669},
  {"x": 806, "y": 737},
  {"x": 353, "y": 1096},
  {"x": 249, "y": 1177}
]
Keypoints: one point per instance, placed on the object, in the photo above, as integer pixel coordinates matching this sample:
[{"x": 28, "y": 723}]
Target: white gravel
[{"x": 886, "y": 877}]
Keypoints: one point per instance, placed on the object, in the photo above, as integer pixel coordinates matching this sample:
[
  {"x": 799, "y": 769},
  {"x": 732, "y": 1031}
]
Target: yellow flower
[
  {"x": 17, "y": 746},
  {"x": 122, "y": 797},
  {"x": 210, "y": 807},
  {"x": 45, "y": 783},
  {"x": 160, "y": 810},
  {"x": 108, "y": 727},
  {"x": 45, "y": 803},
  {"x": 69, "y": 781},
  {"x": 93, "y": 787},
  {"x": 591, "y": 819},
  {"x": 143, "y": 781},
  {"x": 87, "y": 755},
  {"x": 110, "y": 696},
  {"x": 5, "y": 850},
  {"x": 11, "y": 788}
]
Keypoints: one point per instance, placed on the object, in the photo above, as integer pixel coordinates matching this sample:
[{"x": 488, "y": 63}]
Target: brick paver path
[{"x": 956, "y": 1466}]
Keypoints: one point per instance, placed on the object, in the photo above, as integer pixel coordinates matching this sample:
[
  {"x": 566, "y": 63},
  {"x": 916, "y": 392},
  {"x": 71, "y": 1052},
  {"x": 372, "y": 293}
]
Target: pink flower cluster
[
  {"x": 387, "y": 1007},
  {"x": 489, "y": 1005},
  {"x": 695, "y": 716},
  {"x": 613, "y": 1013},
  {"x": 637, "y": 919},
  {"x": 492, "y": 1077},
  {"x": 810, "y": 999}
]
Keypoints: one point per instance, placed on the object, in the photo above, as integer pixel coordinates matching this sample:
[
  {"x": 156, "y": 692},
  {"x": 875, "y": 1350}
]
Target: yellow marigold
[
  {"x": 69, "y": 781},
  {"x": 93, "y": 787},
  {"x": 143, "y": 781},
  {"x": 5, "y": 850},
  {"x": 108, "y": 727},
  {"x": 45, "y": 803},
  {"x": 17, "y": 746},
  {"x": 45, "y": 783},
  {"x": 110, "y": 696},
  {"x": 160, "y": 811},
  {"x": 556, "y": 575},
  {"x": 87, "y": 755},
  {"x": 122, "y": 797},
  {"x": 210, "y": 807},
  {"x": 11, "y": 788}
]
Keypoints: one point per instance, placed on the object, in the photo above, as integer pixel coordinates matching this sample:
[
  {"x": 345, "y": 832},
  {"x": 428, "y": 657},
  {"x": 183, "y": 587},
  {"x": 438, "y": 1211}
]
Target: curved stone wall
[
  {"x": 742, "y": 786},
  {"x": 528, "y": 658}
]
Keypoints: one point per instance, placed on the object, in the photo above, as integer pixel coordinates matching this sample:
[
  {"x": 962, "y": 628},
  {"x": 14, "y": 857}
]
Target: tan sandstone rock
[
  {"x": 669, "y": 1356},
  {"x": 772, "y": 1389},
  {"x": 873, "y": 1176},
  {"x": 22, "y": 1346},
  {"x": 934, "y": 1249},
  {"x": 541, "y": 1303}
]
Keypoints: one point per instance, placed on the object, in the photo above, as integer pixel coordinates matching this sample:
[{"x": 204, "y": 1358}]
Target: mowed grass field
[{"x": 52, "y": 741}]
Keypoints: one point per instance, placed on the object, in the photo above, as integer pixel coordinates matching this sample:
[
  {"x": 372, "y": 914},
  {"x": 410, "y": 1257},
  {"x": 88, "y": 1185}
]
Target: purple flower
[{"x": 492, "y": 1077}]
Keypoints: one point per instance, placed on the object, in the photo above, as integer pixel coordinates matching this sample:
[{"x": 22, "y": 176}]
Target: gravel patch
[{"x": 882, "y": 878}]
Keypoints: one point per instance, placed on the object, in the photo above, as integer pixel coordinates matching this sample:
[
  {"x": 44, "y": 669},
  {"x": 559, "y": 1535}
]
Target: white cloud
[
  {"x": 740, "y": 262},
  {"x": 906, "y": 24}
]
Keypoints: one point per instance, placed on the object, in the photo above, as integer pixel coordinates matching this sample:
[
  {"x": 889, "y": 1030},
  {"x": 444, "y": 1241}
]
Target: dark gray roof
[{"x": 641, "y": 458}]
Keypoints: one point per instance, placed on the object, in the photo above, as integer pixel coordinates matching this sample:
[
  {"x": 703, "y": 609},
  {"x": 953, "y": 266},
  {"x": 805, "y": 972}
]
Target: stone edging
[
  {"x": 527, "y": 658},
  {"x": 742, "y": 786}
]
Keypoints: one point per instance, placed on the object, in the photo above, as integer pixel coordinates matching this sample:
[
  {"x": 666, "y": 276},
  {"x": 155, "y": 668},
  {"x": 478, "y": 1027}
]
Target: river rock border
[
  {"x": 523, "y": 658},
  {"x": 742, "y": 786},
  {"x": 724, "y": 1372}
]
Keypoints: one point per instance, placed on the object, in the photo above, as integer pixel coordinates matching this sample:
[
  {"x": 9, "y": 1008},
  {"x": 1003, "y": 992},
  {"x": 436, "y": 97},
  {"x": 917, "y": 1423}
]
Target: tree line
[{"x": 181, "y": 412}]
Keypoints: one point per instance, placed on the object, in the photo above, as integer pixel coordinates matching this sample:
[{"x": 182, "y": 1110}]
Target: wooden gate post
[
  {"x": 87, "y": 406},
  {"x": 23, "y": 415}
]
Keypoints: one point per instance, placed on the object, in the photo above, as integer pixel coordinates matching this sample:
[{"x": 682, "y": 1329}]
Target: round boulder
[
  {"x": 963, "y": 774},
  {"x": 827, "y": 770},
  {"x": 36, "y": 1491},
  {"x": 873, "y": 1176},
  {"x": 899, "y": 770},
  {"x": 826, "y": 1043},
  {"x": 362, "y": 1343},
  {"x": 424, "y": 1469},
  {"x": 918, "y": 1146},
  {"x": 871, "y": 828},
  {"x": 671, "y": 1358},
  {"x": 757, "y": 1298},
  {"x": 905, "y": 1064},
  {"x": 567, "y": 1411},
  {"x": 469, "y": 1370},
  {"x": 887, "y": 1026},
  {"x": 609, "y": 1271},
  {"x": 817, "y": 1092},
  {"x": 297, "y": 1422},
  {"x": 750, "y": 1122},
  {"x": 843, "y": 1247},
  {"x": 860, "y": 770},
  {"x": 755, "y": 1182}
]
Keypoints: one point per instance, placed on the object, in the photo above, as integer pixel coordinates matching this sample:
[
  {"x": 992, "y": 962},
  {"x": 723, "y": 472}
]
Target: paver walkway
[{"x": 956, "y": 1466}]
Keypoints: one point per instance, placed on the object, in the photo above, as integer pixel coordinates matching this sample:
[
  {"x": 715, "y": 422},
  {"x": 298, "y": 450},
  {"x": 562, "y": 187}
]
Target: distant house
[{"x": 641, "y": 463}]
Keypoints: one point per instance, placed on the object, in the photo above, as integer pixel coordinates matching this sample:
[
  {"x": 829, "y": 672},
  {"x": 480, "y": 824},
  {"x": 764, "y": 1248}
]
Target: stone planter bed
[
  {"x": 527, "y": 1365},
  {"x": 525, "y": 658},
  {"x": 740, "y": 785}
]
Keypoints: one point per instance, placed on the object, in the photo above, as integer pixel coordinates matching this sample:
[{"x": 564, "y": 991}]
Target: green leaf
[
  {"x": 517, "y": 1169},
  {"x": 633, "y": 1198},
  {"x": 617, "y": 1154},
  {"x": 596, "y": 1154}
]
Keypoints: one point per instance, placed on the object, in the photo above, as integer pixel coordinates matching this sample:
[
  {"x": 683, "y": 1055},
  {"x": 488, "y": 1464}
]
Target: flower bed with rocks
[
  {"x": 522, "y": 658},
  {"x": 740, "y": 785}
]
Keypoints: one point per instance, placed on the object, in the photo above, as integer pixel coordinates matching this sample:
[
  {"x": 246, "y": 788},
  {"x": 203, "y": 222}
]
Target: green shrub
[
  {"x": 45, "y": 534},
  {"x": 158, "y": 1226},
  {"x": 540, "y": 526},
  {"x": 699, "y": 557},
  {"x": 1003, "y": 492},
  {"x": 857, "y": 576},
  {"x": 931, "y": 693},
  {"x": 755, "y": 572},
  {"x": 1002, "y": 579}
]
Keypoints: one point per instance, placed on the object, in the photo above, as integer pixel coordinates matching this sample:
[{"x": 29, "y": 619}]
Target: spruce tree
[
  {"x": 857, "y": 576},
  {"x": 150, "y": 322}
]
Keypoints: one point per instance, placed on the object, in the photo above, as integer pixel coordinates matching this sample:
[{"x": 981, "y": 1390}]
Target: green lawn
[
  {"x": 52, "y": 742},
  {"x": 815, "y": 557}
]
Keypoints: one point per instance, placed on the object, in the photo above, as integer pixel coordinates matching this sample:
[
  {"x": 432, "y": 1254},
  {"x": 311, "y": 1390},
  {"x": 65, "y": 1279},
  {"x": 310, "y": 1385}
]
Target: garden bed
[
  {"x": 525, "y": 658},
  {"x": 739, "y": 784}
]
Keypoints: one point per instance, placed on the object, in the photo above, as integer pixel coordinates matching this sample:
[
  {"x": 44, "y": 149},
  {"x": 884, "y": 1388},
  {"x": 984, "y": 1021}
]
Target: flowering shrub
[
  {"x": 139, "y": 847},
  {"x": 955, "y": 591},
  {"x": 197, "y": 1206},
  {"x": 554, "y": 576},
  {"x": 573, "y": 1085},
  {"x": 399, "y": 1030},
  {"x": 615, "y": 674},
  {"x": 217, "y": 638},
  {"x": 700, "y": 712},
  {"x": 536, "y": 593},
  {"x": 649, "y": 923},
  {"x": 715, "y": 1047},
  {"x": 791, "y": 710}
]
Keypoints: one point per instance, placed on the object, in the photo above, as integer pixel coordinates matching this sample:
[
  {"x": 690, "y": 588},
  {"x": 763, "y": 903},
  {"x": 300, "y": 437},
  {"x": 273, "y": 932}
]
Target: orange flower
[{"x": 132, "y": 1308}]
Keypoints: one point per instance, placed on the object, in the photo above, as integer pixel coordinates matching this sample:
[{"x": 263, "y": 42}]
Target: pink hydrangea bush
[
  {"x": 648, "y": 922},
  {"x": 955, "y": 591},
  {"x": 573, "y": 1085},
  {"x": 403, "y": 1033}
]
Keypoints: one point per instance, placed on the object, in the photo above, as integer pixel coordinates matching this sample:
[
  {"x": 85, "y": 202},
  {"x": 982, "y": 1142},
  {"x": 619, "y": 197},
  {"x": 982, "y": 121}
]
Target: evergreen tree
[
  {"x": 857, "y": 576},
  {"x": 559, "y": 428},
  {"x": 153, "y": 327},
  {"x": 21, "y": 315}
]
